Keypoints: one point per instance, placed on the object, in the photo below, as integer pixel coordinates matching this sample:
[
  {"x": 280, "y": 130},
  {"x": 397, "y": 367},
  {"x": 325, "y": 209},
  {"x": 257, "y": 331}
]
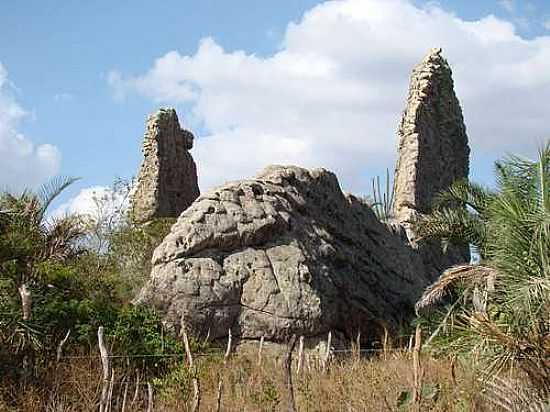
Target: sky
[{"x": 311, "y": 83}]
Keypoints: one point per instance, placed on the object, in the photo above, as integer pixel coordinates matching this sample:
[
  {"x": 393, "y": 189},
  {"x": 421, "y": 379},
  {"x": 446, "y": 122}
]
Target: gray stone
[
  {"x": 433, "y": 145},
  {"x": 285, "y": 252},
  {"x": 167, "y": 180}
]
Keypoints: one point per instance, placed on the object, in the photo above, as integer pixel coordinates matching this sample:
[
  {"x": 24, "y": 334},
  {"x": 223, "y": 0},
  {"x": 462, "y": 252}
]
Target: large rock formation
[
  {"x": 167, "y": 180},
  {"x": 433, "y": 145},
  {"x": 287, "y": 252}
]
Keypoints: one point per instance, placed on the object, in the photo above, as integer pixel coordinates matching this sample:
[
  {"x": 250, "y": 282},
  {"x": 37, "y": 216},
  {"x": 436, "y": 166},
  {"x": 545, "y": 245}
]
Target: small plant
[
  {"x": 383, "y": 201},
  {"x": 268, "y": 398}
]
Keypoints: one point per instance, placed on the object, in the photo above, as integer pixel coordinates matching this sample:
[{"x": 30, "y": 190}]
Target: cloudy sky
[{"x": 312, "y": 83}]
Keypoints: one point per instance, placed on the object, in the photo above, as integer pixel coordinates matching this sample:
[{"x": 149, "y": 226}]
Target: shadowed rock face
[
  {"x": 167, "y": 180},
  {"x": 433, "y": 145},
  {"x": 286, "y": 252}
]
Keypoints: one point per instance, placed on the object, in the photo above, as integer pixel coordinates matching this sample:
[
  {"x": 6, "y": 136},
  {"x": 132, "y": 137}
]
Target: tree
[
  {"x": 30, "y": 239},
  {"x": 499, "y": 308}
]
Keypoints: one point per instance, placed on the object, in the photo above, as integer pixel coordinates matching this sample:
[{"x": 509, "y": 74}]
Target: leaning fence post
[
  {"x": 358, "y": 344},
  {"x": 228, "y": 350},
  {"x": 327, "y": 353},
  {"x": 136, "y": 389},
  {"x": 385, "y": 345},
  {"x": 149, "y": 397},
  {"x": 125, "y": 396},
  {"x": 260, "y": 350},
  {"x": 417, "y": 369},
  {"x": 196, "y": 387},
  {"x": 300, "y": 355},
  {"x": 106, "y": 370},
  {"x": 219, "y": 394},
  {"x": 61, "y": 344},
  {"x": 288, "y": 372},
  {"x": 110, "y": 395}
]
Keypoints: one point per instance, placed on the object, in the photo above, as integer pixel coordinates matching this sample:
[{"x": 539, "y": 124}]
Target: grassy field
[{"x": 378, "y": 383}]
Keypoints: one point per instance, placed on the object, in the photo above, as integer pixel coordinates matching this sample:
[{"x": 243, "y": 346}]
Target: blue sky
[{"x": 81, "y": 77}]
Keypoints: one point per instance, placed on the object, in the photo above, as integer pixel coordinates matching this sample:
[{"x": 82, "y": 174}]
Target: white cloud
[
  {"x": 508, "y": 5},
  {"x": 23, "y": 164},
  {"x": 97, "y": 203},
  {"x": 546, "y": 24},
  {"x": 333, "y": 94}
]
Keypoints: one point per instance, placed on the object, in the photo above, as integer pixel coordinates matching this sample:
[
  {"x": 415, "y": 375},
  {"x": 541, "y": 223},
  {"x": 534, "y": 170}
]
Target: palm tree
[
  {"x": 500, "y": 307},
  {"x": 29, "y": 238}
]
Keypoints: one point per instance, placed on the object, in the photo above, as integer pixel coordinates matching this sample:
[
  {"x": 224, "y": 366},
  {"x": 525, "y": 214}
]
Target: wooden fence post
[
  {"x": 417, "y": 368},
  {"x": 219, "y": 394},
  {"x": 300, "y": 356},
  {"x": 385, "y": 345},
  {"x": 149, "y": 397},
  {"x": 106, "y": 365},
  {"x": 358, "y": 344},
  {"x": 136, "y": 389},
  {"x": 111, "y": 384},
  {"x": 61, "y": 344},
  {"x": 327, "y": 353},
  {"x": 228, "y": 350},
  {"x": 125, "y": 396},
  {"x": 288, "y": 372},
  {"x": 196, "y": 387},
  {"x": 260, "y": 350}
]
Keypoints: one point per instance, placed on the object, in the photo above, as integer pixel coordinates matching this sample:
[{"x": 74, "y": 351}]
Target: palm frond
[
  {"x": 464, "y": 193},
  {"x": 452, "y": 225},
  {"x": 50, "y": 190},
  {"x": 512, "y": 395},
  {"x": 62, "y": 236},
  {"x": 471, "y": 274}
]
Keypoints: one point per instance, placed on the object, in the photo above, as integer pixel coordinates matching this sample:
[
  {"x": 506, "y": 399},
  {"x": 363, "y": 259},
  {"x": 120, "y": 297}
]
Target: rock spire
[
  {"x": 433, "y": 145},
  {"x": 167, "y": 180}
]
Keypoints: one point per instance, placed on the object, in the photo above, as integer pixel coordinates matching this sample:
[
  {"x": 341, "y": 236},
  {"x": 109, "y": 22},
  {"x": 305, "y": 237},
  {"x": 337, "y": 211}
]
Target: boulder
[{"x": 286, "y": 252}]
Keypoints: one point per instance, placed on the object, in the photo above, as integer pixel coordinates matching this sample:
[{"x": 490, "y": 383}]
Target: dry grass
[{"x": 350, "y": 384}]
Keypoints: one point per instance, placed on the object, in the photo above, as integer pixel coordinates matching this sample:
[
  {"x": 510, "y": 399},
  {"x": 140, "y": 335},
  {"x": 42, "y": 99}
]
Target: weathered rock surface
[
  {"x": 433, "y": 145},
  {"x": 167, "y": 181},
  {"x": 286, "y": 252}
]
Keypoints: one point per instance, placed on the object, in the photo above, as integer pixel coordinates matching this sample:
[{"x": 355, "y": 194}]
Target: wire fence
[{"x": 220, "y": 353}]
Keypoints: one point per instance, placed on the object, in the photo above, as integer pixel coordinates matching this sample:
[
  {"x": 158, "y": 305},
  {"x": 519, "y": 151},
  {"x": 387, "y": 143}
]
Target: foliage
[
  {"x": 460, "y": 216},
  {"x": 139, "y": 335},
  {"x": 131, "y": 248},
  {"x": 383, "y": 201},
  {"x": 81, "y": 272},
  {"x": 502, "y": 310}
]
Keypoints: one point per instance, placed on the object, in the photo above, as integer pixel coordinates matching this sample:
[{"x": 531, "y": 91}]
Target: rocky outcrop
[
  {"x": 285, "y": 252},
  {"x": 433, "y": 145},
  {"x": 167, "y": 181},
  {"x": 288, "y": 253}
]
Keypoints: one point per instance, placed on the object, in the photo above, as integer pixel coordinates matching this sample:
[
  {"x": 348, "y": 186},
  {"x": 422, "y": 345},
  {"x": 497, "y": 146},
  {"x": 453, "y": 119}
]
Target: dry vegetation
[{"x": 349, "y": 384}]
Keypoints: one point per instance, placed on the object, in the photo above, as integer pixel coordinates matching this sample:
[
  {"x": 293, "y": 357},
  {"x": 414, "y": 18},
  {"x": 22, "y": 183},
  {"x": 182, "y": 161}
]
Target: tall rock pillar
[
  {"x": 167, "y": 180},
  {"x": 433, "y": 145}
]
